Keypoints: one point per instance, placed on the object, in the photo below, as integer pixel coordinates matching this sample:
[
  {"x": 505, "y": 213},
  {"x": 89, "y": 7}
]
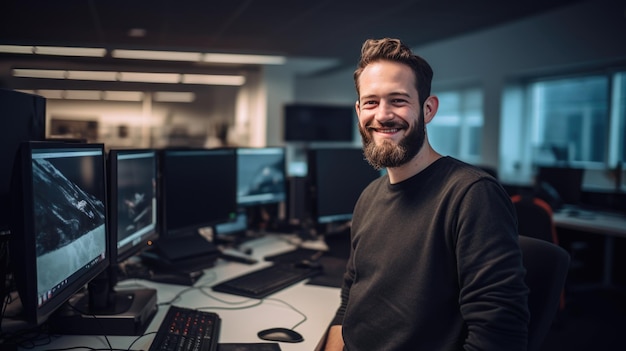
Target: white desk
[
  {"x": 238, "y": 326},
  {"x": 610, "y": 225}
]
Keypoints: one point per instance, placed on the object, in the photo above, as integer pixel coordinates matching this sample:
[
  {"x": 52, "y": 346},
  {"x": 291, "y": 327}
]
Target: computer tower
[{"x": 22, "y": 118}]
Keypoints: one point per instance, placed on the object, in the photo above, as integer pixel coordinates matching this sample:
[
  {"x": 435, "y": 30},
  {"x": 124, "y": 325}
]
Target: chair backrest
[
  {"x": 534, "y": 218},
  {"x": 546, "y": 270}
]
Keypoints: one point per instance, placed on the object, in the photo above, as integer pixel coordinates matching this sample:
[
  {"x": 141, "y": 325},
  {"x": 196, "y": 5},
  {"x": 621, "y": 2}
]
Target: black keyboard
[
  {"x": 187, "y": 329},
  {"x": 266, "y": 281}
]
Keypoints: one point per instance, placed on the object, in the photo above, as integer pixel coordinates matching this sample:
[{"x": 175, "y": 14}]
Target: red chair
[{"x": 534, "y": 219}]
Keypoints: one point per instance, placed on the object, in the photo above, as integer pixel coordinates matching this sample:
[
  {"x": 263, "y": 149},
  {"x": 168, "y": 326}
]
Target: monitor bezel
[
  {"x": 145, "y": 240},
  {"x": 23, "y": 256},
  {"x": 317, "y": 215},
  {"x": 166, "y": 232}
]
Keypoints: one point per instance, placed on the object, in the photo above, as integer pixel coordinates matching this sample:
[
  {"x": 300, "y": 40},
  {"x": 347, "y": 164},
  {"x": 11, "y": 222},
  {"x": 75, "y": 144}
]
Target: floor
[{"x": 592, "y": 320}]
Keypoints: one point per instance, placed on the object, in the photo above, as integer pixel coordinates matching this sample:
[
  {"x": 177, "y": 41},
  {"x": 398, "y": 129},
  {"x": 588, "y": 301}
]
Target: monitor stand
[
  {"x": 126, "y": 312},
  {"x": 187, "y": 254}
]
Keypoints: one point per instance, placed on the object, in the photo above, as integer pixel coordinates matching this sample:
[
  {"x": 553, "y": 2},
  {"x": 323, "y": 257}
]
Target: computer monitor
[
  {"x": 318, "y": 123},
  {"x": 132, "y": 200},
  {"x": 260, "y": 176},
  {"x": 337, "y": 176},
  {"x": 59, "y": 236},
  {"x": 198, "y": 189},
  {"x": 567, "y": 181}
]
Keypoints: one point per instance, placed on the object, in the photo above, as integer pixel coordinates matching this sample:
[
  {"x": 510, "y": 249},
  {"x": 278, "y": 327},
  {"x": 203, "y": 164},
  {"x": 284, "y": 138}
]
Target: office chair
[
  {"x": 534, "y": 218},
  {"x": 546, "y": 270}
]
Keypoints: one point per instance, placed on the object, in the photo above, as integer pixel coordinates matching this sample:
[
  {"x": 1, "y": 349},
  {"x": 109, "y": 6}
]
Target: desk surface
[
  {"x": 239, "y": 325},
  {"x": 599, "y": 222}
]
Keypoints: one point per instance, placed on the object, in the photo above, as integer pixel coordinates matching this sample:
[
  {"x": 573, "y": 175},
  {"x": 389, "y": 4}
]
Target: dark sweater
[{"x": 435, "y": 265}]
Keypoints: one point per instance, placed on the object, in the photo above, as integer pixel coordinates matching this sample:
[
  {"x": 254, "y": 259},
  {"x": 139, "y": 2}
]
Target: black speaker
[{"x": 297, "y": 197}]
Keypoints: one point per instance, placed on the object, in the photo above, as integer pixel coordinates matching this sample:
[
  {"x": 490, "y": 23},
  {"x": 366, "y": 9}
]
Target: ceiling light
[
  {"x": 53, "y": 50},
  {"x": 171, "y": 78},
  {"x": 16, "y": 49},
  {"x": 213, "y": 79},
  {"x": 137, "y": 77},
  {"x": 157, "y": 55},
  {"x": 40, "y": 73},
  {"x": 93, "y": 95},
  {"x": 123, "y": 95},
  {"x": 137, "y": 32},
  {"x": 244, "y": 59},
  {"x": 93, "y": 75},
  {"x": 199, "y": 57},
  {"x": 166, "y": 96}
]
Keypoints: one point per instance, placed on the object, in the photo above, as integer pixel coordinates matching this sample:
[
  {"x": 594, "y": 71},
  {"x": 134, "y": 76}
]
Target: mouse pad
[{"x": 261, "y": 346}]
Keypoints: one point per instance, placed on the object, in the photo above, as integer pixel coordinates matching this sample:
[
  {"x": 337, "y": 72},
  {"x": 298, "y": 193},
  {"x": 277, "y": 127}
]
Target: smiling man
[{"x": 434, "y": 261}]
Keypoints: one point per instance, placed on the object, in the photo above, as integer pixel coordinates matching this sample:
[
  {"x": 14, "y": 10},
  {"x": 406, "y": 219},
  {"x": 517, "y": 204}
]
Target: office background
[
  {"x": 488, "y": 64},
  {"x": 487, "y": 68}
]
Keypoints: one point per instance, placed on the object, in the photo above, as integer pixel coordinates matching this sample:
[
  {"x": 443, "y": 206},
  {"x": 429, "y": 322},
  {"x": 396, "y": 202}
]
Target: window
[
  {"x": 571, "y": 119},
  {"x": 456, "y": 130},
  {"x": 619, "y": 118},
  {"x": 578, "y": 121}
]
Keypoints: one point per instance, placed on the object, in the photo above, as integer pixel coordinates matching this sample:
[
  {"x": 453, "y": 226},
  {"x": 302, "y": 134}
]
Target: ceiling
[{"x": 329, "y": 30}]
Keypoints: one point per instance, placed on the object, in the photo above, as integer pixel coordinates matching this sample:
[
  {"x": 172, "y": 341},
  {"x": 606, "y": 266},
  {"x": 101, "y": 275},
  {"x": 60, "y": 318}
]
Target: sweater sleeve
[
  {"x": 493, "y": 294},
  {"x": 345, "y": 293}
]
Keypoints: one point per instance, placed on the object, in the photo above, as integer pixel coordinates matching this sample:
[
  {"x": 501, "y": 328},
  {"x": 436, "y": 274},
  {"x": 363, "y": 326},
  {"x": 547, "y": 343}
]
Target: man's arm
[{"x": 334, "y": 340}]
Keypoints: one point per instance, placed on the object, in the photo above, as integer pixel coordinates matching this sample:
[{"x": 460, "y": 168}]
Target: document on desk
[{"x": 261, "y": 346}]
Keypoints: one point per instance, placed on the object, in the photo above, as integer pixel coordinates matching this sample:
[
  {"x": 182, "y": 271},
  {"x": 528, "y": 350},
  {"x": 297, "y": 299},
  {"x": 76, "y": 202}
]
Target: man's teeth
[{"x": 390, "y": 130}]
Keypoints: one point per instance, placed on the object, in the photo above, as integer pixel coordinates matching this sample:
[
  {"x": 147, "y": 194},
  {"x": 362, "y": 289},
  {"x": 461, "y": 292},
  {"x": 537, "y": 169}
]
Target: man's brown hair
[{"x": 396, "y": 51}]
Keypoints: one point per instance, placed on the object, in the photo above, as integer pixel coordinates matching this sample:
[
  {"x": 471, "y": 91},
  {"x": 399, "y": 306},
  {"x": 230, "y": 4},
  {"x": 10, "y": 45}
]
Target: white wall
[{"x": 585, "y": 35}]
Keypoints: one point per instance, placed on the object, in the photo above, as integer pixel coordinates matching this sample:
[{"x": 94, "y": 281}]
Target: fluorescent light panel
[
  {"x": 53, "y": 50},
  {"x": 146, "y": 54},
  {"x": 199, "y": 57},
  {"x": 110, "y": 95},
  {"x": 137, "y": 77},
  {"x": 172, "y": 96},
  {"x": 244, "y": 59},
  {"x": 157, "y": 55}
]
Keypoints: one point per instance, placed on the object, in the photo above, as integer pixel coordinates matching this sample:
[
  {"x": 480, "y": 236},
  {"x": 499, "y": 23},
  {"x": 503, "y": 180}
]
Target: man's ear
[
  {"x": 357, "y": 107},
  {"x": 430, "y": 108}
]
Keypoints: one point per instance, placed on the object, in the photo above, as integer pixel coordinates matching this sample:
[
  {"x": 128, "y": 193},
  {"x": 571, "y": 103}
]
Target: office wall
[
  {"x": 148, "y": 123},
  {"x": 586, "y": 35}
]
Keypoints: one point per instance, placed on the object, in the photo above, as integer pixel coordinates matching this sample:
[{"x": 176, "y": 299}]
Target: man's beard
[{"x": 389, "y": 154}]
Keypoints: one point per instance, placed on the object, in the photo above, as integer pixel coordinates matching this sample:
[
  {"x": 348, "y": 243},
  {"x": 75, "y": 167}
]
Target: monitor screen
[
  {"x": 132, "y": 200},
  {"x": 59, "y": 235},
  {"x": 260, "y": 176},
  {"x": 22, "y": 118},
  {"x": 198, "y": 189},
  {"x": 337, "y": 177},
  {"x": 566, "y": 181},
  {"x": 311, "y": 123}
]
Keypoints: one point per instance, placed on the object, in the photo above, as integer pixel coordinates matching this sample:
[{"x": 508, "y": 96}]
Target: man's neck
[{"x": 424, "y": 158}]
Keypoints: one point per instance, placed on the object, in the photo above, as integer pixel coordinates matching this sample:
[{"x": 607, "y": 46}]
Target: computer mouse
[{"x": 280, "y": 335}]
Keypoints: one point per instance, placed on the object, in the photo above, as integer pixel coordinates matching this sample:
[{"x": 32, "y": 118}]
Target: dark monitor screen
[
  {"x": 261, "y": 176},
  {"x": 337, "y": 176},
  {"x": 59, "y": 234},
  {"x": 566, "y": 181},
  {"x": 314, "y": 123},
  {"x": 198, "y": 189},
  {"x": 132, "y": 200},
  {"x": 22, "y": 118}
]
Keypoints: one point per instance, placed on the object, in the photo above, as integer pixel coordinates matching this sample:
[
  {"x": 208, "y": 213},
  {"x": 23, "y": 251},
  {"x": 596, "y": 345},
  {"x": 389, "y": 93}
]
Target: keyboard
[
  {"x": 187, "y": 329},
  {"x": 295, "y": 255},
  {"x": 266, "y": 281}
]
